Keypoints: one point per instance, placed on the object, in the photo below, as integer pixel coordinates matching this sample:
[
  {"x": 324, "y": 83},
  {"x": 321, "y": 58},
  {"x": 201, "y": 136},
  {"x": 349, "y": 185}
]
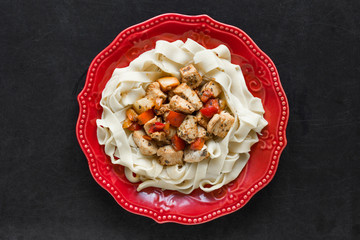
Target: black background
[{"x": 46, "y": 190}]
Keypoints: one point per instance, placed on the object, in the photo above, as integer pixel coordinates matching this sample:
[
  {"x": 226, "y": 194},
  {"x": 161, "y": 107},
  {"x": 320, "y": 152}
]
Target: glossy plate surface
[{"x": 262, "y": 80}]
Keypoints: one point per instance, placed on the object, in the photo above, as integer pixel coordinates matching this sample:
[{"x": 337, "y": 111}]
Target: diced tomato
[
  {"x": 146, "y": 116},
  {"x": 177, "y": 143},
  {"x": 175, "y": 118},
  {"x": 206, "y": 95},
  {"x": 198, "y": 144},
  {"x": 209, "y": 112},
  {"x": 156, "y": 127},
  {"x": 211, "y": 107},
  {"x": 134, "y": 127},
  {"x": 213, "y": 102},
  {"x": 158, "y": 103},
  {"x": 147, "y": 137},
  {"x": 131, "y": 114}
]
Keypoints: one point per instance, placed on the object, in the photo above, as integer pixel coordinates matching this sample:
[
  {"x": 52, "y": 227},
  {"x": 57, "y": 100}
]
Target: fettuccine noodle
[{"x": 228, "y": 156}]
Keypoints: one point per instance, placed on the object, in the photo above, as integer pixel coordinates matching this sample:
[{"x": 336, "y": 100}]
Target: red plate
[{"x": 262, "y": 80}]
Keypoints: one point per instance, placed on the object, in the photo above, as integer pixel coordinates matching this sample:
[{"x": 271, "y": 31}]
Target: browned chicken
[
  {"x": 195, "y": 155},
  {"x": 220, "y": 124},
  {"x": 202, "y": 133},
  {"x": 159, "y": 136},
  {"x": 168, "y": 156},
  {"x": 203, "y": 121},
  {"x": 153, "y": 91},
  {"x": 188, "y": 129},
  {"x": 172, "y": 132},
  {"x": 146, "y": 147},
  {"x": 163, "y": 109},
  {"x": 143, "y": 105},
  {"x": 213, "y": 87},
  {"x": 184, "y": 91},
  {"x": 190, "y": 76},
  {"x": 181, "y": 105}
]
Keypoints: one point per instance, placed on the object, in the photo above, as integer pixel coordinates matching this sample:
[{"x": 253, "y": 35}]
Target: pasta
[{"x": 228, "y": 156}]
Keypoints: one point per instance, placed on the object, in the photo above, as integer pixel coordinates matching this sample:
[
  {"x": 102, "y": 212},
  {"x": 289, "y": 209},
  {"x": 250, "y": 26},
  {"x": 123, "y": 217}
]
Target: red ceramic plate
[{"x": 262, "y": 80}]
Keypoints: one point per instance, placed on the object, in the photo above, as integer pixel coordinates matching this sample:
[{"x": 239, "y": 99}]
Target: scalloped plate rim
[{"x": 284, "y": 141}]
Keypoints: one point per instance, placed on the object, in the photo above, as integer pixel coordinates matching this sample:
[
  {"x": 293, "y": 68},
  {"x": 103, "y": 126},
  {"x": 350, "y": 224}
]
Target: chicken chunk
[
  {"x": 153, "y": 91},
  {"x": 190, "y": 76},
  {"x": 184, "y": 91},
  {"x": 179, "y": 104},
  {"x": 220, "y": 124},
  {"x": 168, "y": 156},
  {"x": 213, "y": 87},
  {"x": 159, "y": 136},
  {"x": 188, "y": 130},
  {"x": 202, "y": 133},
  {"x": 195, "y": 155},
  {"x": 143, "y": 105},
  {"x": 170, "y": 94},
  {"x": 146, "y": 147},
  {"x": 172, "y": 132},
  {"x": 203, "y": 121},
  {"x": 163, "y": 109}
]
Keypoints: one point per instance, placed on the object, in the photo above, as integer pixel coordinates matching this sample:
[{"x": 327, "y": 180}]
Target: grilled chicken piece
[
  {"x": 170, "y": 94},
  {"x": 163, "y": 109},
  {"x": 202, "y": 133},
  {"x": 212, "y": 87},
  {"x": 195, "y": 155},
  {"x": 146, "y": 147},
  {"x": 203, "y": 121},
  {"x": 172, "y": 132},
  {"x": 188, "y": 130},
  {"x": 181, "y": 105},
  {"x": 153, "y": 91},
  {"x": 190, "y": 76},
  {"x": 184, "y": 91},
  {"x": 159, "y": 136},
  {"x": 168, "y": 156},
  {"x": 143, "y": 105},
  {"x": 220, "y": 124}
]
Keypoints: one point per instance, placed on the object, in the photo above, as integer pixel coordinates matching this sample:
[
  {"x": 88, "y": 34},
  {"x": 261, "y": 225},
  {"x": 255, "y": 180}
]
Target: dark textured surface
[{"x": 46, "y": 190}]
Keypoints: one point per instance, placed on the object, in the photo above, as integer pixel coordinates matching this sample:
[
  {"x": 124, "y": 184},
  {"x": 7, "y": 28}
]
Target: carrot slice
[{"x": 146, "y": 116}]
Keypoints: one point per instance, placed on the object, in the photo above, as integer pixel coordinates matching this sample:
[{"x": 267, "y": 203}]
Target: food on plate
[{"x": 180, "y": 117}]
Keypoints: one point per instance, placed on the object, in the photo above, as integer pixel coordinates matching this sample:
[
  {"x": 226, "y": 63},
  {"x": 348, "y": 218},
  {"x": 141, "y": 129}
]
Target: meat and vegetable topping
[{"x": 176, "y": 118}]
